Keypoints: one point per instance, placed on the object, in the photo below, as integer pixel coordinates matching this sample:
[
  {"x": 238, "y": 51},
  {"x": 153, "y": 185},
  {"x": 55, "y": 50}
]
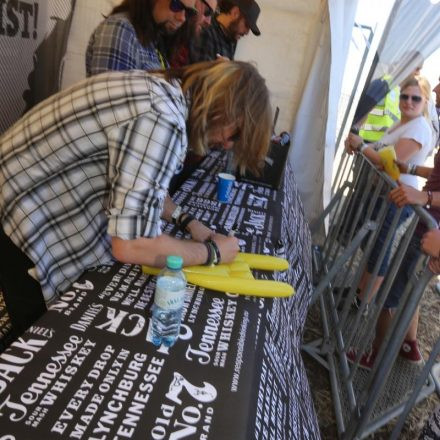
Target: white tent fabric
[{"x": 314, "y": 131}]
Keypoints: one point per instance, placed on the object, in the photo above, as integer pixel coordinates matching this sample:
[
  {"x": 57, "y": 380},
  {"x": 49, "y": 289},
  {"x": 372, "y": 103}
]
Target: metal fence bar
[{"x": 356, "y": 217}]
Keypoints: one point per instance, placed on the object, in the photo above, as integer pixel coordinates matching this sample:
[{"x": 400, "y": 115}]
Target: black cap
[{"x": 250, "y": 11}]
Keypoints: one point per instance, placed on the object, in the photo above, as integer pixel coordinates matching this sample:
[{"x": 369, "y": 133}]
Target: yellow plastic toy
[
  {"x": 236, "y": 277},
  {"x": 388, "y": 156}
]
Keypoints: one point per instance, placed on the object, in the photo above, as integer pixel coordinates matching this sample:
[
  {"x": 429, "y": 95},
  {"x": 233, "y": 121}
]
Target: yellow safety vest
[{"x": 383, "y": 115}]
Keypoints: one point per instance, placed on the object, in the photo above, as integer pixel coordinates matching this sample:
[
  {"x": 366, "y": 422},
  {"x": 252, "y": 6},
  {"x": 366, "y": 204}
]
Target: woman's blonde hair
[
  {"x": 224, "y": 93},
  {"x": 423, "y": 84}
]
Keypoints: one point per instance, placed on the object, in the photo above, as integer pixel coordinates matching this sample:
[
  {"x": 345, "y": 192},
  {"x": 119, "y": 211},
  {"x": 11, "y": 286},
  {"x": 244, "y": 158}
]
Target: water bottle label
[{"x": 169, "y": 300}]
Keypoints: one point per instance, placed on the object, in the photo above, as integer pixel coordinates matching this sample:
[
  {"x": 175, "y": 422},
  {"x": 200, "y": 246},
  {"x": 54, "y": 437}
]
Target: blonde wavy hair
[
  {"x": 423, "y": 84},
  {"x": 223, "y": 93}
]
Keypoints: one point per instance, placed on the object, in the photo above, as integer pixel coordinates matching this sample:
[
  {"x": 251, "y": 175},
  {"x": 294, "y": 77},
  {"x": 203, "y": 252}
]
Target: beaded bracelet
[
  {"x": 211, "y": 254},
  {"x": 216, "y": 250}
]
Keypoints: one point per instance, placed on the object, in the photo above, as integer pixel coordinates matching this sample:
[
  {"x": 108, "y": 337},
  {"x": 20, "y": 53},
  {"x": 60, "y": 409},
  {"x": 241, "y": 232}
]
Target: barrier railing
[{"x": 366, "y": 399}]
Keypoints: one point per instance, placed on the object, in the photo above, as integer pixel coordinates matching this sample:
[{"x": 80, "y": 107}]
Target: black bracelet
[
  {"x": 185, "y": 222},
  {"x": 210, "y": 259},
  {"x": 216, "y": 250}
]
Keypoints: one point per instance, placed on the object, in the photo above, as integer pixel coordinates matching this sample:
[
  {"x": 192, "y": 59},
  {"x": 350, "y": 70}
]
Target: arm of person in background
[
  {"x": 419, "y": 170},
  {"x": 199, "y": 232},
  {"x": 407, "y": 195},
  {"x": 405, "y": 148}
]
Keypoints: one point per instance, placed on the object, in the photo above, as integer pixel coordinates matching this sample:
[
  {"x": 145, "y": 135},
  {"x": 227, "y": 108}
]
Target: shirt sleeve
[
  {"x": 419, "y": 132},
  {"x": 113, "y": 46},
  {"x": 143, "y": 156}
]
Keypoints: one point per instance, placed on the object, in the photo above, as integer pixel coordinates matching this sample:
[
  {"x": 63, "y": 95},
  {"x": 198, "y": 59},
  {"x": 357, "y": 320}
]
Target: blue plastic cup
[{"x": 224, "y": 186}]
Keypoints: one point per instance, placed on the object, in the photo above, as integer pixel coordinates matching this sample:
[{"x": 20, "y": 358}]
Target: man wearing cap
[{"x": 235, "y": 19}]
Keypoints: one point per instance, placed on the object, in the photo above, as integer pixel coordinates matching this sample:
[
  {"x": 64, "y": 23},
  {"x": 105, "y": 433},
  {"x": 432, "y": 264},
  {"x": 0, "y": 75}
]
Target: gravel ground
[{"x": 429, "y": 331}]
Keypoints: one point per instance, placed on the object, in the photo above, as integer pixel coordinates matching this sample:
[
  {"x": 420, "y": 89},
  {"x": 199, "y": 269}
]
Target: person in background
[
  {"x": 422, "y": 240},
  {"x": 178, "y": 44},
  {"x": 412, "y": 139},
  {"x": 84, "y": 175},
  {"x": 234, "y": 21},
  {"x": 384, "y": 114},
  {"x": 131, "y": 37}
]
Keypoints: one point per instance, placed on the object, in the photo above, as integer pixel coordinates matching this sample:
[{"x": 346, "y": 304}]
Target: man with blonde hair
[{"x": 84, "y": 175}]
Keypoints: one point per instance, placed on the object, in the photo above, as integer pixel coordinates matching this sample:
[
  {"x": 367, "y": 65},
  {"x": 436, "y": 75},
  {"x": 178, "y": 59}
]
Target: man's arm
[
  {"x": 407, "y": 195},
  {"x": 199, "y": 232},
  {"x": 153, "y": 251}
]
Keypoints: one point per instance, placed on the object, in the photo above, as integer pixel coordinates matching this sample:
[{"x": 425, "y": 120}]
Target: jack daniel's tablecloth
[{"x": 87, "y": 368}]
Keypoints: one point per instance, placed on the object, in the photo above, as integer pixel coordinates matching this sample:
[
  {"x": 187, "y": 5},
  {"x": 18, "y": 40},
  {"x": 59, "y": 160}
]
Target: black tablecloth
[{"x": 87, "y": 368}]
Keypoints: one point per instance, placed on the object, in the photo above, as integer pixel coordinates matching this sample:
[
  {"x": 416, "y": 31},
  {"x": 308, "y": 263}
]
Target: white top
[{"x": 419, "y": 130}]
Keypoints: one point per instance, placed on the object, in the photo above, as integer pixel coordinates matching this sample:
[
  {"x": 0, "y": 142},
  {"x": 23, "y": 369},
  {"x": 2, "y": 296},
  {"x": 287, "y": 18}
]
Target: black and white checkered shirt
[{"x": 90, "y": 162}]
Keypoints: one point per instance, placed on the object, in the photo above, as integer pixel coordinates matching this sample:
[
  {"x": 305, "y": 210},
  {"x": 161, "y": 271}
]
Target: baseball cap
[{"x": 250, "y": 11}]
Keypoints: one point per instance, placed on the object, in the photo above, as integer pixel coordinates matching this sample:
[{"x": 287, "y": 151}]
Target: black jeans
[{"x": 23, "y": 296}]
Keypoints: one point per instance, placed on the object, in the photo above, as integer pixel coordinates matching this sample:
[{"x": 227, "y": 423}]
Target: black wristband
[
  {"x": 185, "y": 222},
  {"x": 216, "y": 250},
  {"x": 210, "y": 257}
]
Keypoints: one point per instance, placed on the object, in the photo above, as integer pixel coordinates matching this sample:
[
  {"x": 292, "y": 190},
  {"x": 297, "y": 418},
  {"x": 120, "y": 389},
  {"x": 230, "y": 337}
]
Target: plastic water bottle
[{"x": 168, "y": 302}]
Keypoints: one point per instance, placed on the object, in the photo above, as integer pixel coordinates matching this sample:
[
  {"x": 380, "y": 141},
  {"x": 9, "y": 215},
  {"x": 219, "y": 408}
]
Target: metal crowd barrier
[{"x": 365, "y": 400}]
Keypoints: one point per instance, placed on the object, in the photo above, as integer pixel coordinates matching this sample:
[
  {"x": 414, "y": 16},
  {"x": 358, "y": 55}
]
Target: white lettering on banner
[
  {"x": 68, "y": 302},
  {"x": 124, "y": 389},
  {"x": 256, "y": 220},
  {"x": 87, "y": 317},
  {"x": 41, "y": 331},
  {"x": 240, "y": 349},
  {"x": 115, "y": 319},
  {"x": 16, "y": 356},
  {"x": 210, "y": 332},
  {"x": 195, "y": 307},
  {"x": 45, "y": 378},
  {"x": 18, "y": 18},
  {"x": 97, "y": 398},
  {"x": 185, "y": 421}
]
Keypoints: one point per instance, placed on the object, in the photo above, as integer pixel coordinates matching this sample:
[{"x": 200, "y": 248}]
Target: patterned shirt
[
  {"x": 115, "y": 46},
  {"x": 90, "y": 162},
  {"x": 212, "y": 41}
]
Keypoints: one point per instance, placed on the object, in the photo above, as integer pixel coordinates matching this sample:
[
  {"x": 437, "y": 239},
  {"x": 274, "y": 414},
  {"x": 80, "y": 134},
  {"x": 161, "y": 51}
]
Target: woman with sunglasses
[
  {"x": 412, "y": 140},
  {"x": 131, "y": 37}
]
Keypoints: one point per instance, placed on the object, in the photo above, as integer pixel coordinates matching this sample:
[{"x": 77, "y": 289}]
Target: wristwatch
[{"x": 176, "y": 214}]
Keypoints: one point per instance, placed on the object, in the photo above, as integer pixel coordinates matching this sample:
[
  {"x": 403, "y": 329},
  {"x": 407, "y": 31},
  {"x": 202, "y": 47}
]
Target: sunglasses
[
  {"x": 178, "y": 6},
  {"x": 414, "y": 98},
  {"x": 209, "y": 12}
]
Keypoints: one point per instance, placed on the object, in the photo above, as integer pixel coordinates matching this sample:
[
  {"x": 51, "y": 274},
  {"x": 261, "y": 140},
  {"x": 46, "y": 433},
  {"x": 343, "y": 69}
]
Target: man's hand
[
  {"x": 407, "y": 195},
  {"x": 228, "y": 247},
  {"x": 199, "y": 232},
  {"x": 430, "y": 243}
]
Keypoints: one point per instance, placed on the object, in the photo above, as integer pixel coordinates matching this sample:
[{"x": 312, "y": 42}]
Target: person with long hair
[
  {"x": 84, "y": 175},
  {"x": 412, "y": 140},
  {"x": 131, "y": 37}
]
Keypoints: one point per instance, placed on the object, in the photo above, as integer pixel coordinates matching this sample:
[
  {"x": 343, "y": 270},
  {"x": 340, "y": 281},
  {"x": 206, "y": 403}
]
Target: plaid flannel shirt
[
  {"x": 115, "y": 46},
  {"x": 212, "y": 41},
  {"x": 90, "y": 162}
]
